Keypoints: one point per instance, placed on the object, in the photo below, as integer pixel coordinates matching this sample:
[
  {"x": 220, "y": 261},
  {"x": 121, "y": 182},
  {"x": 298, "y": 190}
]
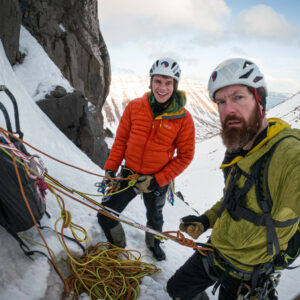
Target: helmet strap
[{"x": 258, "y": 101}]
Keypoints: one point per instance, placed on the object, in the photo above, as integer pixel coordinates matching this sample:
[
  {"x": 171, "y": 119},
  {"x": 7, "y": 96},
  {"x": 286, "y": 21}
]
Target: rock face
[
  {"x": 10, "y": 22},
  {"x": 69, "y": 32},
  {"x": 70, "y": 113}
]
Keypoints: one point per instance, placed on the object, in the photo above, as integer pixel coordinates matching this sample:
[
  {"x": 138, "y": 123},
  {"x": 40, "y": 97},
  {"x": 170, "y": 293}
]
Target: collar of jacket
[
  {"x": 277, "y": 126},
  {"x": 175, "y": 109}
]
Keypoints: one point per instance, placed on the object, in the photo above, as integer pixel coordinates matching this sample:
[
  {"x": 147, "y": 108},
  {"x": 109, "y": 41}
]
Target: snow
[
  {"x": 38, "y": 73},
  {"x": 201, "y": 184}
]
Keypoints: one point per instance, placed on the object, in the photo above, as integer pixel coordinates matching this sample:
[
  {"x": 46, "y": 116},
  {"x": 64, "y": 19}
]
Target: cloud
[
  {"x": 283, "y": 85},
  {"x": 238, "y": 51},
  {"x": 135, "y": 19},
  {"x": 263, "y": 22}
]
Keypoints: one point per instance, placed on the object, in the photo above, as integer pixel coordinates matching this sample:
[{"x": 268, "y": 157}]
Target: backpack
[
  {"x": 14, "y": 214},
  {"x": 236, "y": 208}
]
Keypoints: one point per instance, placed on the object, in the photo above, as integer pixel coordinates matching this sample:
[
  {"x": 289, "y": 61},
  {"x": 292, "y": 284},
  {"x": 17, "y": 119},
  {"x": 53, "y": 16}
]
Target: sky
[
  {"x": 200, "y": 34},
  {"x": 201, "y": 184}
]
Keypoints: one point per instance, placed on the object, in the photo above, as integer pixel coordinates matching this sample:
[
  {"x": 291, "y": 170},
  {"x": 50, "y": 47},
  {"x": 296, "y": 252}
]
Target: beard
[{"x": 236, "y": 138}]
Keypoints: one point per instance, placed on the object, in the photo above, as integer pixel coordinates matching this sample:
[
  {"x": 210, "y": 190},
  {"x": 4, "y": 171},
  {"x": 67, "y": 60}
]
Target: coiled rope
[{"x": 109, "y": 272}]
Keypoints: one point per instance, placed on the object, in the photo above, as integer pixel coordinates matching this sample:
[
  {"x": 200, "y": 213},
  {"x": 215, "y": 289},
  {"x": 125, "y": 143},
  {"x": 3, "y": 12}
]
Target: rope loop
[
  {"x": 182, "y": 240},
  {"x": 67, "y": 217}
]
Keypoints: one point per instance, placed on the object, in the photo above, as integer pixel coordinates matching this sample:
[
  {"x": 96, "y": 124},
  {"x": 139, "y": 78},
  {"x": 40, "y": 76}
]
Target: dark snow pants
[
  {"x": 192, "y": 279},
  {"x": 154, "y": 203}
]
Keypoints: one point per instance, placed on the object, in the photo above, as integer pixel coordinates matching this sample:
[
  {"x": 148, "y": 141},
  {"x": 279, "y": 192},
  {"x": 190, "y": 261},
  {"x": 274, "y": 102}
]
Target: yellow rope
[
  {"x": 111, "y": 273},
  {"x": 131, "y": 183}
]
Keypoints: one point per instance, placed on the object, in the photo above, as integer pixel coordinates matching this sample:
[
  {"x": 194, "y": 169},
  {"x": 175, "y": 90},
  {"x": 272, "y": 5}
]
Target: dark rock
[
  {"x": 59, "y": 92},
  {"x": 10, "y": 23},
  {"x": 69, "y": 32},
  {"x": 92, "y": 140},
  {"x": 70, "y": 114},
  {"x": 20, "y": 57},
  {"x": 108, "y": 133},
  {"x": 65, "y": 112}
]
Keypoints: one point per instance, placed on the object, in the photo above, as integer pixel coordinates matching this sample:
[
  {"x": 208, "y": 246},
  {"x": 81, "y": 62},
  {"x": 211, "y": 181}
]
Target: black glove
[
  {"x": 146, "y": 183},
  {"x": 108, "y": 175},
  {"x": 109, "y": 181},
  {"x": 194, "y": 226}
]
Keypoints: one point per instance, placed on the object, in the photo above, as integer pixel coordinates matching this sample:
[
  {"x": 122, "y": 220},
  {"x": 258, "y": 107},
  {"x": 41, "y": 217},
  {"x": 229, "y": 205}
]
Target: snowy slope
[
  {"x": 201, "y": 185},
  {"x": 289, "y": 110}
]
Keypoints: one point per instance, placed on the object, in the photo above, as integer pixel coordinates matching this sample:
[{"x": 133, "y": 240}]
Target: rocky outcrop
[
  {"x": 70, "y": 113},
  {"x": 69, "y": 32},
  {"x": 10, "y": 22}
]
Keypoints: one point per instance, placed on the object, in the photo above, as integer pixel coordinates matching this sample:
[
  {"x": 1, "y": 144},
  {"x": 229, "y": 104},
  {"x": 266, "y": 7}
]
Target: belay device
[{"x": 14, "y": 214}]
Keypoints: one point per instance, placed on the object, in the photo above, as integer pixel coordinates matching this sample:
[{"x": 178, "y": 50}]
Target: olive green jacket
[{"x": 241, "y": 240}]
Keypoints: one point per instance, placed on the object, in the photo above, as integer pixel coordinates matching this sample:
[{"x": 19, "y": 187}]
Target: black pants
[
  {"x": 154, "y": 203},
  {"x": 192, "y": 278}
]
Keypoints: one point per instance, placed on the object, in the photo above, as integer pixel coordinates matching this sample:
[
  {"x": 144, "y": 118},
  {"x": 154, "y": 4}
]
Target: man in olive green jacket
[{"x": 259, "y": 211}]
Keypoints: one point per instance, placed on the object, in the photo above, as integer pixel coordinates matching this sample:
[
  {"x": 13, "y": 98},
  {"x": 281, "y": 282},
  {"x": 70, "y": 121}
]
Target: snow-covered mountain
[
  {"x": 288, "y": 110},
  {"x": 275, "y": 98},
  {"x": 127, "y": 87}
]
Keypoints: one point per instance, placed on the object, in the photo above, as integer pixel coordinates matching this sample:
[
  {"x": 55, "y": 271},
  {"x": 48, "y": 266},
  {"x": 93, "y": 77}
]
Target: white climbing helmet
[
  {"x": 236, "y": 71},
  {"x": 166, "y": 67}
]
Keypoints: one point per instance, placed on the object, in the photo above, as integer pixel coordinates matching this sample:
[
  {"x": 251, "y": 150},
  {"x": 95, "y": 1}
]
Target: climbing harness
[
  {"x": 107, "y": 190},
  {"x": 258, "y": 285},
  {"x": 264, "y": 278},
  {"x": 234, "y": 198}
]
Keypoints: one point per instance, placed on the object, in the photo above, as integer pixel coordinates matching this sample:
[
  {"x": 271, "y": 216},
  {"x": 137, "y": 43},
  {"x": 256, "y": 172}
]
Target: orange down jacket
[{"x": 148, "y": 144}]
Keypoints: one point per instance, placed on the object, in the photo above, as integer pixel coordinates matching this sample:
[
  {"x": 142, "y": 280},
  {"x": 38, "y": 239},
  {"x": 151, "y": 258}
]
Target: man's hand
[
  {"x": 146, "y": 183},
  {"x": 109, "y": 181},
  {"x": 192, "y": 226}
]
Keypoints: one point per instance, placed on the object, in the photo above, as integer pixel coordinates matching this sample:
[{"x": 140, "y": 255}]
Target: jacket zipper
[{"x": 142, "y": 156}]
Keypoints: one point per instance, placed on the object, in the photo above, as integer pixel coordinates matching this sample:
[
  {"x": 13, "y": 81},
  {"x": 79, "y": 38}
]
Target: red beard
[{"x": 235, "y": 138}]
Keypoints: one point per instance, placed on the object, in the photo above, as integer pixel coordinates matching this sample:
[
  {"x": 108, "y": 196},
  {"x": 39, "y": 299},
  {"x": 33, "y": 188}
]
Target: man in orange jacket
[{"x": 151, "y": 129}]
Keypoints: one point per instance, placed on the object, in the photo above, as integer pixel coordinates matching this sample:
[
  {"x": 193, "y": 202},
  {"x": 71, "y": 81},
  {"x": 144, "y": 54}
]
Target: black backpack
[{"x": 14, "y": 214}]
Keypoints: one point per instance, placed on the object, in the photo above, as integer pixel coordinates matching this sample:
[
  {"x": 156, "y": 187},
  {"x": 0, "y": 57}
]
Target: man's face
[
  {"x": 239, "y": 114},
  {"x": 162, "y": 87}
]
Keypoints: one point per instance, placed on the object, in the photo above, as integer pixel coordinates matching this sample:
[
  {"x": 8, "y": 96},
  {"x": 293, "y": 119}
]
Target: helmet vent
[
  {"x": 257, "y": 78},
  {"x": 246, "y": 75},
  {"x": 247, "y": 63},
  {"x": 173, "y": 65}
]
